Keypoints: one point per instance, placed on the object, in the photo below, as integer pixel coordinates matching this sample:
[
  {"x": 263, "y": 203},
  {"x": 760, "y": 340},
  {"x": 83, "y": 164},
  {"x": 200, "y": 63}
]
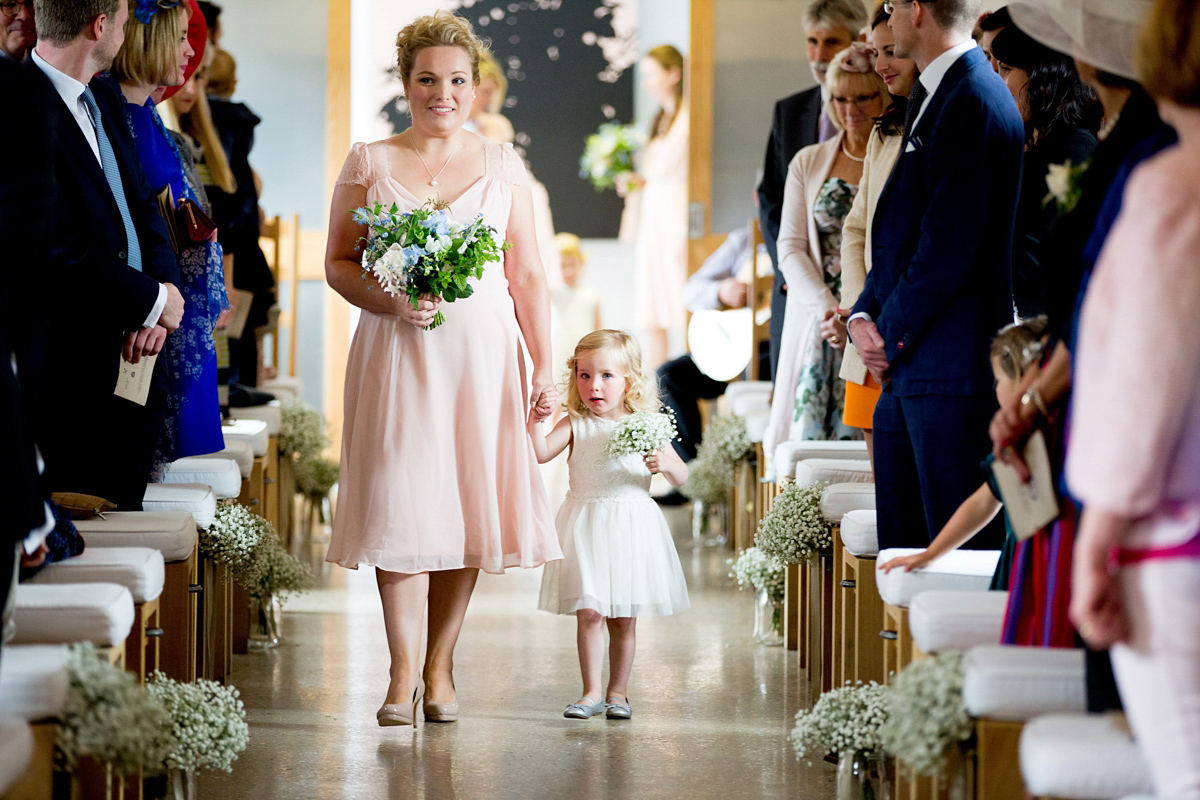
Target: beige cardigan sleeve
[{"x": 805, "y": 277}]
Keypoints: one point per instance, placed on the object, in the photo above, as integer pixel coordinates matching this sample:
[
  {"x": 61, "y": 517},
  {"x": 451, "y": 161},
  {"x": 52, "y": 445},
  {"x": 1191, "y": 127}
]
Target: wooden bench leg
[
  {"x": 791, "y": 607},
  {"x": 141, "y": 646},
  {"x": 998, "y": 765},
  {"x": 38, "y": 781},
  {"x": 178, "y": 608}
]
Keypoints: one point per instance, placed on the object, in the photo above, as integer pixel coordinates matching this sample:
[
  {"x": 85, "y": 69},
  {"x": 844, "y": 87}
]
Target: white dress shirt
[
  {"x": 931, "y": 79},
  {"x": 71, "y": 92}
]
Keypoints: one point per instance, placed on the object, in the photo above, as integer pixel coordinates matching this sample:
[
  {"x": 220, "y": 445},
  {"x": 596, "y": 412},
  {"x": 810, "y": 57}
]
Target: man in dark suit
[
  {"x": 800, "y": 120},
  {"x": 939, "y": 288},
  {"x": 108, "y": 290}
]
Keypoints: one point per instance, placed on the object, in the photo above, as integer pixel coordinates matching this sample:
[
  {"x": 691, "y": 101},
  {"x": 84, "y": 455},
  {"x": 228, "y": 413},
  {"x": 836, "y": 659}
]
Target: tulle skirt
[{"x": 618, "y": 560}]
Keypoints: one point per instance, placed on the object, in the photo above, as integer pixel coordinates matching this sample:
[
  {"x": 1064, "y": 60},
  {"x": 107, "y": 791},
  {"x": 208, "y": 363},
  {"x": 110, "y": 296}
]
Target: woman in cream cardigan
[
  {"x": 900, "y": 75},
  {"x": 821, "y": 185}
]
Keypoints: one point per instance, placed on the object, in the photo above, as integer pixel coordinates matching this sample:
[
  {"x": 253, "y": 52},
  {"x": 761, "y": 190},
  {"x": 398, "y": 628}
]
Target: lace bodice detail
[{"x": 598, "y": 476}]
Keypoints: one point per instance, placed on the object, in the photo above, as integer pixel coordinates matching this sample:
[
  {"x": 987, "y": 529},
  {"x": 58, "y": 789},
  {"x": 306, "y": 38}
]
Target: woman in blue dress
[{"x": 159, "y": 53}]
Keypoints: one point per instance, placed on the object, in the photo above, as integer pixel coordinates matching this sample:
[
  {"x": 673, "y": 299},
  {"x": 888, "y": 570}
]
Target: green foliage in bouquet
[
  {"x": 844, "y": 720},
  {"x": 110, "y": 718},
  {"x": 928, "y": 713},
  {"x": 425, "y": 253},
  {"x": 795, "y": 529},
  {"x": 609, "y": 152},
  {"x": 208, "y": 719}
]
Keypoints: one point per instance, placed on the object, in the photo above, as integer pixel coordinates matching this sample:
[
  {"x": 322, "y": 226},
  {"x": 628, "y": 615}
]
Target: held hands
[
  {"x": 172, "y": 313},
  {"x": 144, "y": 342},
  {"x": 833, "y": 329},
  {"x": 543, "y": 399},
  {"x": 422, "y": 315},
  {"x": 732, "y": 293},
  {"x": 870, "y": 344}
]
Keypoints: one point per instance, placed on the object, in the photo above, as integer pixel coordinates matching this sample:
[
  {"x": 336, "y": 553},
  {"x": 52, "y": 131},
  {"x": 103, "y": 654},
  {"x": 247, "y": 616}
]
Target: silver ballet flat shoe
[
  {"x": 584, "y": 709},
  {"x": 617, "y": 710}
]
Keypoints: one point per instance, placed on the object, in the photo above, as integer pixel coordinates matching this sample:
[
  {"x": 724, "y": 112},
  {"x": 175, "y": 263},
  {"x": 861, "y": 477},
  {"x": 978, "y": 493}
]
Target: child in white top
[{"x": 619, "y": 561}]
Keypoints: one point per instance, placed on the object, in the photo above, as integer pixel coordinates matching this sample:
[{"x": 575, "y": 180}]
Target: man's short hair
[
  {"x": 211, "y": 12},
  {"x": 1000, "y": 18},
  {"x": 954, "y": 15},
  {"x": 849, "y": 14},
  {"x": 60, "y": 21}
]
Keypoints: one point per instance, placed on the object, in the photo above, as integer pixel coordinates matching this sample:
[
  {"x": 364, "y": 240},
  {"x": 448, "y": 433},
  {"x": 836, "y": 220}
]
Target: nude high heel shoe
[
  {"x": 395, "y": 714},
  {"x": 441, "y": 712}
]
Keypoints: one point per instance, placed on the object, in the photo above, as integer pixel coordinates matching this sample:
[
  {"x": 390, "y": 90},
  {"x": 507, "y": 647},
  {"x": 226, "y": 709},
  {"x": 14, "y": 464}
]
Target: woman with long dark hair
[{"x": 1062, "y": 116}]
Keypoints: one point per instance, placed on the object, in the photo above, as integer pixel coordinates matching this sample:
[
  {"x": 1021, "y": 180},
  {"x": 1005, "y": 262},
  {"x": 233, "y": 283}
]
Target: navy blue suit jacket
[{"x": 940, "y": 284}]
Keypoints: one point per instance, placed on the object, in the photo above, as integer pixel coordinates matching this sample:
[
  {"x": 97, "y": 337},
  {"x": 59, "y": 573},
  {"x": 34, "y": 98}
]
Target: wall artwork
[{"x": 569, "y": 69}]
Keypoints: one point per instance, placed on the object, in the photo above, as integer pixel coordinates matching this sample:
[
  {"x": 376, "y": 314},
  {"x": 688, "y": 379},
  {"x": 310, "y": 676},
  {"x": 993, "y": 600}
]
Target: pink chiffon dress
[{"x": 437, "y": 469}]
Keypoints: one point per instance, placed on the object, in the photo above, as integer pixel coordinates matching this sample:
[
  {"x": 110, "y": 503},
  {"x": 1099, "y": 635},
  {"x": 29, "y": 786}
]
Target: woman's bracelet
[{"x": 1033, "y": 397}]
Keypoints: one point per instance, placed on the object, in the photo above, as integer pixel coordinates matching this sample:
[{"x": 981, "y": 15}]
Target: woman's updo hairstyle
[{"x": 440, "y": 29}]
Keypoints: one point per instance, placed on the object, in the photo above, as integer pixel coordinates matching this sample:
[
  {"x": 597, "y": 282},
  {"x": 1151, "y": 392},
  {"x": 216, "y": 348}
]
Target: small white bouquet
[
  {"x": 795, "y": 529},
  {"x": 755, "y": 569},
  {"x": 234, "y": 539},
  {"x": 726, "y": 435},
  {"x": 609, "y": 152},
  {"x": 928, "y": 713},
  {"x": 209, "y": 722},
  {"x": 280, "y": 573},
  {"x": 302, "y": 429},
  {"x": 109, "y": 718},
  {"x": 642, "y": 432},
  {"x": 843, "y": 721},
  {"x": 425, "y": 253}
]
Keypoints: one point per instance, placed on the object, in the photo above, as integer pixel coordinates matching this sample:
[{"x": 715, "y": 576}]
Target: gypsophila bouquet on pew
[
  {"x": 234, "y": 539},
  {"x": 758, "y": 571},
  {"x": 843, "y": 721},
  {"x": 641, "y": 432},
  {"x": 709, "y": 479},
  {"x": 316, "y": 476},
  {"x": 609, "y": 152},
  {"x": 425, "y": 253},
  {"x": 795, "y": 530},
  {"x": 928, "y": 713},
  {"x": 209, "y": 722},
  {"x": 726, "y": 435},
  {"x": 302, "y": 428},
  {"x": 280, "y": 573},
  {"x": 108, "y": 717}
]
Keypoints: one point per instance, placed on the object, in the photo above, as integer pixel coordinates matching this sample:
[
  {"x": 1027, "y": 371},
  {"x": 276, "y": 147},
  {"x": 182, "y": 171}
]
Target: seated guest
[
  {"x": 809, "y": 398},
  {"x": 1134, "y": 457},
  {"x": 900, "y": 75},
  {"x": 154, "y": 55},
  {"x": 716, "y": 285},
  {"x": 1061, "y": 117},
  {"x": 111, "y": 291},
  {"x": 18, "y": 33}
]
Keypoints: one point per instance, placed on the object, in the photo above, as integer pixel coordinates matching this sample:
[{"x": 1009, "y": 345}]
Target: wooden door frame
[{"x": 701, "y": 84}]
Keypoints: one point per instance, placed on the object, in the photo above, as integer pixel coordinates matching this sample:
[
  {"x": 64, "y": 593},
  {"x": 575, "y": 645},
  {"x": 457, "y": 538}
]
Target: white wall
[{"x": 659, "y": 22}]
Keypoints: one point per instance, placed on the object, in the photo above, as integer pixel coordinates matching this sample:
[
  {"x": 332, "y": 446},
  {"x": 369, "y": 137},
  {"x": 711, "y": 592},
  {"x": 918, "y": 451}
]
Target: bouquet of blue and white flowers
[
  {"x": 424, "y": 253},
  {"x": 608, "y": 152}
]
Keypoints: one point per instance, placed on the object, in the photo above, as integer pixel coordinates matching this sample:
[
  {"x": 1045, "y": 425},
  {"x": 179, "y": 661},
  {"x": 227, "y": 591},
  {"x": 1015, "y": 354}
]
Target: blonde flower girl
[{"x": 619, "y": 561}]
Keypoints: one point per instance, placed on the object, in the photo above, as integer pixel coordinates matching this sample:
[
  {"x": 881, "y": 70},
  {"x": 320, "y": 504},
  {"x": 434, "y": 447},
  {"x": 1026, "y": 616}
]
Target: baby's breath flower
[
  {"x": 641, "y": 432},
  {"x": 755, "y": 569},
  {"x": 234, "y": 539},
  {"x": 209, "y": 722},
  {"x": 795, "y": 529},
  {"x": 302, "y": 429},
  {"x": 928, "y": 713},
  {"x": 844, "y": 720}
]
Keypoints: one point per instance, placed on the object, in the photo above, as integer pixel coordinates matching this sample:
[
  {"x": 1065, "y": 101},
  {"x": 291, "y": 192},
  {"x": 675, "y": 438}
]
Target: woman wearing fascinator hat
[
  {"x": 820, "y": 189},
  {"x": 164, "y": 44}
]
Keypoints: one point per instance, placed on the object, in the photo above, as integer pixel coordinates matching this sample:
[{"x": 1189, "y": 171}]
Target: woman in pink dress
[
  {"x": 438, "y": 479},
  {"x": 659, "y": 205}
]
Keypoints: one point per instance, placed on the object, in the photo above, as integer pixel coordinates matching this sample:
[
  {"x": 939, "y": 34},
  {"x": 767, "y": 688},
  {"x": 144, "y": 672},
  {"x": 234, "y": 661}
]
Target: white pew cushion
[
  {"x": 240, "y": 453},
  {"x": 172, "y": 533},
  {"x": 1086, "y": 756},
  {"x": 840, "y": 499},
  {"x": 271, "y": 413},
  {"x": 33, "y": 681},
  {"x": 749, "y": 391},
  {"x": 197, "y": 499},
  {"x": 250, "y": 431},
  {"x": 756, "y": 425},
  {"x": 16, "y": 750},
  {"x": 284, "y": 385},
  {"x": 100, "y": 613},
  {"x": 860, "y": 537},
  {"x": 790, "y": 453},
  {"x": 833, "y": 470},
  {"x": 1019, "y": 683},
  {"x": 222, "y": 474},
  {"x": 961, "y": 570},
  {"x": 955, "y": 621},
  {"x": 138, "y": 569}
]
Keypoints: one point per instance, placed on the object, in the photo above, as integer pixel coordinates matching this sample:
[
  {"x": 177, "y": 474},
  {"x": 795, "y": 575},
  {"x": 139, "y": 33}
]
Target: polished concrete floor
[{"x": 712, "y": 709}]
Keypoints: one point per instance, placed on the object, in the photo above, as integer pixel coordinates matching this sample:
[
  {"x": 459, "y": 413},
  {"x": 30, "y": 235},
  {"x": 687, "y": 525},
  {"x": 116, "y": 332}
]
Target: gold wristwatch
[{"x": 1033, "y": 397}]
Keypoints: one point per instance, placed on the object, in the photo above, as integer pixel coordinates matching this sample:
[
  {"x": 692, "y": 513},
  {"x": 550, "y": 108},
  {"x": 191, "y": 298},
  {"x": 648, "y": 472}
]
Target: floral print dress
[{"x": 820, "y": 395}]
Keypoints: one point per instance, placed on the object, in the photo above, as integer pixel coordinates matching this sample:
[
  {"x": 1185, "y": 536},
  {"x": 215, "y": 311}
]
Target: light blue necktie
[{"x": 112, "y": 173}]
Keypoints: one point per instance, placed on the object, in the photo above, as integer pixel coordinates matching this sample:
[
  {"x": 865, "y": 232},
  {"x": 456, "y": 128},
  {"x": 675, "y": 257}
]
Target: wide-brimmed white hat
[{"x": 1100, "y": 32}]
